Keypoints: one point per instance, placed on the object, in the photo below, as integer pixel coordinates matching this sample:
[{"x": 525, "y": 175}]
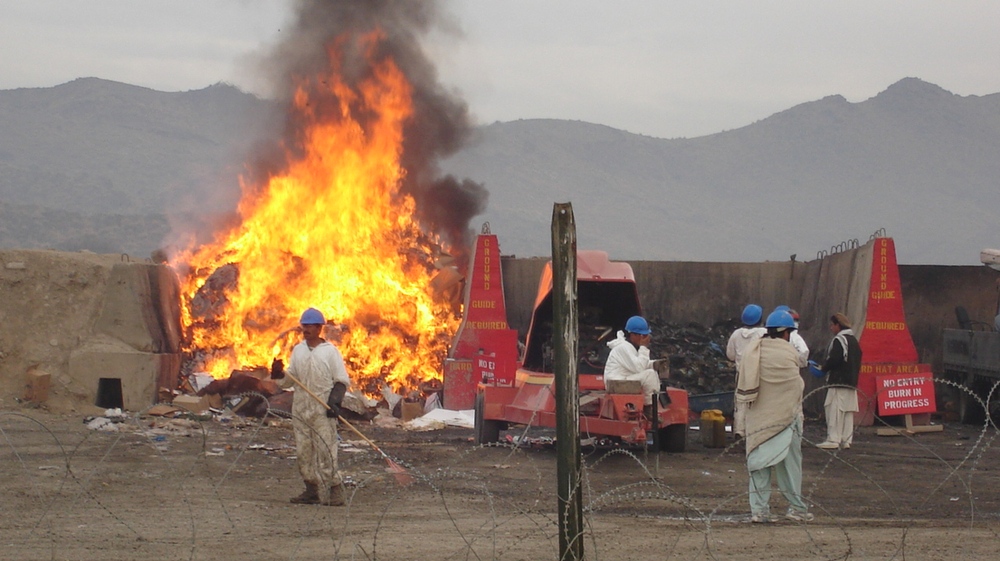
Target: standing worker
[
  {"x": 771, "y": 387},
  {"x": 843, "y": 363},
  {"x": 318, "y": 365},
  {"x": 629, "y": 360},
  {"x": 738, "y": 341},
  {"x": 796, "y": 340}
]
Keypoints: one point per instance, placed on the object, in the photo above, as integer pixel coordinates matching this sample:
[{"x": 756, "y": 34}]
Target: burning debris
[{"x": 346, "y": 212}]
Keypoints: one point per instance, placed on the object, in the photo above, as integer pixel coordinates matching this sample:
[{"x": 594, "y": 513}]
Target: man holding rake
[{"x": 318, "y": 366}]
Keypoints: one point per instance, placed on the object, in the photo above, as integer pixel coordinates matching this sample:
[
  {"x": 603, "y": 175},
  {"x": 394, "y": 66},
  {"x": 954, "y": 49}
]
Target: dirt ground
[{"x": 217, "y": 489}]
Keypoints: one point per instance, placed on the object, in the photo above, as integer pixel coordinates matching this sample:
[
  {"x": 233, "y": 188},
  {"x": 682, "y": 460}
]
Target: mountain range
[{"x": 109, "y": 167}]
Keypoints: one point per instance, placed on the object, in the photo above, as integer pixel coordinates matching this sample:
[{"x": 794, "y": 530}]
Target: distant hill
[
  {"x": 94, "y": 164},
  {"x": 100, "y": 165},
  {"x": 916, "y": 160}
]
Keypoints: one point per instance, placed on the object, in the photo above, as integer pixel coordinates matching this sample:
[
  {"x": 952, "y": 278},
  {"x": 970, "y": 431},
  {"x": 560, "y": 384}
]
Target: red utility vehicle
[{"x": 521, "y": 391}]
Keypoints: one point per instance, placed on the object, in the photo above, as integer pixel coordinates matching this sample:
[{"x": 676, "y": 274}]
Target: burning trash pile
[
  {"x": 697, "y": 355},
  {"x": 344, "y": 213}
]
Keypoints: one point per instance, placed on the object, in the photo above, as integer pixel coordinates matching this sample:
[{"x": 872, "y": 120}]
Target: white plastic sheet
[{"x": 440, "y": 418}]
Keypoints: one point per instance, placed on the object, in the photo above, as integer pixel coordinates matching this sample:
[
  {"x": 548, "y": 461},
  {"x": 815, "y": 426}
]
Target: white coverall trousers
[{"x": 315, "y": 444}]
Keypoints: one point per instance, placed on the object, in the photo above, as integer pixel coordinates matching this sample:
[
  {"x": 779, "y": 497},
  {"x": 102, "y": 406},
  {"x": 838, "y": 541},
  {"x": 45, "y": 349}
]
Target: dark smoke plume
[{"x": 439, "y": 125}]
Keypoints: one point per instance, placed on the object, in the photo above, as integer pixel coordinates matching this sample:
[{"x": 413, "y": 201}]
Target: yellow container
[{"x": 713, "y": 428}]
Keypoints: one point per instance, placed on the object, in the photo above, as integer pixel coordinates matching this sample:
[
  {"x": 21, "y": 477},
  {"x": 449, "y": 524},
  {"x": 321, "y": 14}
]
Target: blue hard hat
[
  {"x": 782, "y": 308},
  {"x": 752, "y": 314},
  {"x": 637, "y": 325},
  {"x": 312, "y": 316},
  {"x": 780, "y": 319}
]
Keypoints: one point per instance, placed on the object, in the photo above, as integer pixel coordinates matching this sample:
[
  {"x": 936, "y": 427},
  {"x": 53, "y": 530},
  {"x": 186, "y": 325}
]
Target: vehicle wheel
[
  {"x": 673, "y": 438},
  {"x": 970, "y": 412},
  {"x": 486, "y": 431}
]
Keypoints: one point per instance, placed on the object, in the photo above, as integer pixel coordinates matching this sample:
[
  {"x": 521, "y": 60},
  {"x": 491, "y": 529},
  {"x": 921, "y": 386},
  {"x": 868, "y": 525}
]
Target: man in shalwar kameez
[
  {"x": 771, "y": 387},
  {"x": 319, "y": 366}
]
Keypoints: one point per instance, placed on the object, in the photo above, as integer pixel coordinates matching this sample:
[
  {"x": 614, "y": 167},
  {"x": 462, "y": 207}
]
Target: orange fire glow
[{"x": 332, "y": 232}]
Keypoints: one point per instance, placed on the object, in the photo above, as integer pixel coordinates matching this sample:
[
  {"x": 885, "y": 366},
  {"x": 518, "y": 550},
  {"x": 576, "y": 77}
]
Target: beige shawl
[{"x": 771, "y": 386}]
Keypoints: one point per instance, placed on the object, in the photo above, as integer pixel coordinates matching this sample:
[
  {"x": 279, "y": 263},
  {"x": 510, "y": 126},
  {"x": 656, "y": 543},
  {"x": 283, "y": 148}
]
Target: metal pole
[{"x": 565, "y": 340}]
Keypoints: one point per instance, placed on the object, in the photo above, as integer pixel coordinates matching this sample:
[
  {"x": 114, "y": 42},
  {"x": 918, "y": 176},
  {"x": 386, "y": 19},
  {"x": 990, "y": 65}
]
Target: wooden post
[{"x": 565, "y": 340}]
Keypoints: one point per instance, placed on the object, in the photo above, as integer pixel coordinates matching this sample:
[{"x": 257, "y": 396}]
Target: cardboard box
[
  {"x": 192, "y": 403},
  {"x": 215, "y": 401},
  {"x": 412, "y": 410}
]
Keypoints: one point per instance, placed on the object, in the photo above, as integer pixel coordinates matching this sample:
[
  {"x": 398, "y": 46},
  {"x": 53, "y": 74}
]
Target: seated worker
[{"x": 629, "y": 360}]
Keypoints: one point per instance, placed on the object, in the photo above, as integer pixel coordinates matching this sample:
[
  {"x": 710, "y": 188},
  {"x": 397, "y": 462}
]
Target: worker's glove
[
  {"x": 277, "y": 369},
  {"x": 335, "y": 399}
]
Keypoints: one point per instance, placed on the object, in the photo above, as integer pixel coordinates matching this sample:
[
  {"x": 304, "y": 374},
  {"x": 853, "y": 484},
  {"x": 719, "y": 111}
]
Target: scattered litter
[
  {"x": 352, "y": 446},
  {"x": 953, "y": 499},
  {"x": 215, "y": 452},
  {"x": 103, "y": 424},
  {"x": 391, "y": 397},
  {"x": 385, "y": 419},
  {"x": 538, "y": 442},
  {"x": 115, "y": 414},
  {"x": 200, "y": 380},
  {"x": 163, "y": 410},
  {"x": 433, "y": 402},
  {"x": 441, "y": 418}
]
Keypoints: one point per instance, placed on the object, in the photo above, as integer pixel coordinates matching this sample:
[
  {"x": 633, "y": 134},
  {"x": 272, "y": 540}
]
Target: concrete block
[
  {"x": 37, "y": 384},
  {"x": 142, "y": 307},
  {"x": 116, "y": 375}
]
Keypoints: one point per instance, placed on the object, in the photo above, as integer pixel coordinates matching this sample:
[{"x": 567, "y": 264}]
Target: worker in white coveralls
[
  {"x": 752, "y": 317},
  {"x": 795, "y": 339},
  {"x": 629, "y": 360},
  {"x": 319, "y": 366},
  {"x": 771, "y": 387}
]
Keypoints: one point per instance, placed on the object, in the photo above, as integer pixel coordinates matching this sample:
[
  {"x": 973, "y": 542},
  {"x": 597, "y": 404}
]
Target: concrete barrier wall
[
  {"x": 54, "y": 303},
  {"x": 682, "y": 292},
  {"x": 838, "y": 283},
  {"x": 930, "y": 295},
  {"x": 705, "y": 293},
  {"x": 61, "y": 312}
]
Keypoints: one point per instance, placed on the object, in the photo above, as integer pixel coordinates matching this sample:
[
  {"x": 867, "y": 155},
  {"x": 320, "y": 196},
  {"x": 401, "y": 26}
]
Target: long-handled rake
[{"x": 402, "y": 476}]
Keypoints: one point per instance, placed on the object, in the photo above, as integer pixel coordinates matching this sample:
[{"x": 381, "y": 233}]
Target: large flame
[{"x": 333, "y": 232}]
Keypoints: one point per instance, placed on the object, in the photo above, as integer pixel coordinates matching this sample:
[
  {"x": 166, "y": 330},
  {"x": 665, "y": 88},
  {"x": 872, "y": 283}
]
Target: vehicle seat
[
  {"x": 965, "y": 322},
  {"x": 624, "y": 386}
]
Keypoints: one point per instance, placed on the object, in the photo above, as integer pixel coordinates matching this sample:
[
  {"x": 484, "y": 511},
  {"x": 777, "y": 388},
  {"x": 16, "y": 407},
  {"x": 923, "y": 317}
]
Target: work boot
[
  {"x": 336, "y": 496},
  {"x": 308, "y": 497}
]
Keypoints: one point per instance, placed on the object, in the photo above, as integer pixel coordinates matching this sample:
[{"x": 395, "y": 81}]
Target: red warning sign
[
  {"x": 485, "y": 348},
  {"x": 886, "y": 345},
  {"x": 906, "y": 394},
  {"x": 885, "y": 336}
]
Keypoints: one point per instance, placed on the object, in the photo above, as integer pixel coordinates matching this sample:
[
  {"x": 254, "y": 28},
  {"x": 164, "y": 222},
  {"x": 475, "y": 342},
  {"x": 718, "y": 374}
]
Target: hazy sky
[{"x": 662, "y": 68}]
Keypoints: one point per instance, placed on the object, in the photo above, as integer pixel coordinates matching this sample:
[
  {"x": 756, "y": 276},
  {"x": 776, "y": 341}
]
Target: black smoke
[{"x": 440, "y": 123}]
